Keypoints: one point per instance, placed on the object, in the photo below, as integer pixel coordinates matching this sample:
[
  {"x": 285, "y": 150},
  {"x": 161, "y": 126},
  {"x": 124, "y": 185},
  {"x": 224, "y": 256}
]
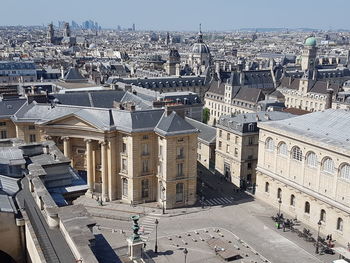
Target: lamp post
[
  {"x": 279, "y": 206},
  {"x": 156, "y": 245},
  {"x": 318, "y": 236},
  {"x": 185, "y": 253}
]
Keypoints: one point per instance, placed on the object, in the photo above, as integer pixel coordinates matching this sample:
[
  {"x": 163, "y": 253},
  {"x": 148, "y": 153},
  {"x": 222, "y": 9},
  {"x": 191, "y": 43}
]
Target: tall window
[
  {"x": 311, "y": 159},
  {"x": 250, "y": 127},
  {"x": 269, "y": 144},
  {"x": 179, "y": 192},
  {"x": 180, "y": 169},
  {"x": 267, "y": 187},
  {"x": 345, "y": 171},
  {"x": 282, "y": 149},
  {"x": 328, "y": 165},
  {"x": 3, "y": 134},
  {"x": 124, "y": 149},
  {"x": 307, "y": 208},
  {"x": 292, "y": 200},
  {"x": 145, "y": 149},
  {"x": 250, "y": 140},
  {"x": 323, "y": 216},
  {"x": 161, "y": 150},
  {"x": 228, "y": 136},
  {"x": 125, "y": 187},
  {"x": 220, "y": 133},
  {"x": 297, "y": 154},
  {"x": 340, "y": 224},
  {"x": 227, "y": 148},
  {"x": 145, "y": 188},
  {"x": 180, "y": 153},
  {"x": 145, "y": 167},
  {"x": 160, "y": 171},
  {"x": 124, "y": 165},
  {"x": 279, "y": 193},
  {"x": 32, "y": 138}
]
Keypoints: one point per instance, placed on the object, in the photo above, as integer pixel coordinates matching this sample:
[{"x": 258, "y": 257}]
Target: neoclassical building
[
  {"x": 305, "y": 163},
  {"x": 135, "y": 156}
]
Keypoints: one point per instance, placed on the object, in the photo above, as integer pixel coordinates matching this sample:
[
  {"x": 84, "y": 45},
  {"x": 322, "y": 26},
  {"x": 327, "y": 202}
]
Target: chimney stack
[{"x": 329, "y": 98}]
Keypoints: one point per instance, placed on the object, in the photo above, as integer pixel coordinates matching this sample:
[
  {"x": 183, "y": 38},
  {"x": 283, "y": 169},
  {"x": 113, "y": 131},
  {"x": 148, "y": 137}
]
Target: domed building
[
  {"x": 200, "y": 58},
  {"x": 308, "y": 57}
]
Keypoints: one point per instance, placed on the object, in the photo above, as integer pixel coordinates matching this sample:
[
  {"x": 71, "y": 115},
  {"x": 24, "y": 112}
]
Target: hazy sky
[{"x": 181, "y": 14}]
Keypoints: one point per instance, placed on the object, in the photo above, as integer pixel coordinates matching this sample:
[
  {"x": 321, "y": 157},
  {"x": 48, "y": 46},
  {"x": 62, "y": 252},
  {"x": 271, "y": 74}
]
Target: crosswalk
[
  {"x": 218, "y": 201},
  {"x": 147, "y": 225}
]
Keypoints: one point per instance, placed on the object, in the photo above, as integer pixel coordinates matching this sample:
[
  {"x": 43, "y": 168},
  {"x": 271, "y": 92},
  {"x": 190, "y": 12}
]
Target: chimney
[
  {"x": 179, "y": 109},
  {"x": 62, "y": 72},
  {"x": 329, "y": 98}
]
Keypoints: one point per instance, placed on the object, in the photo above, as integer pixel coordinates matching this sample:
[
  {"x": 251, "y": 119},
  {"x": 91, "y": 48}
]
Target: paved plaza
[{"x": 243, "y": 223}]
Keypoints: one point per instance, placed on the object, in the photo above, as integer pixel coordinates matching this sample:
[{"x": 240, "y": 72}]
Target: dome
[
  {"x": 310, "y": 41},
  {"x": 200, "y": 48}
]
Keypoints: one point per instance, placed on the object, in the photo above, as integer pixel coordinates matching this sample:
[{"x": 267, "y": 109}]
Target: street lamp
[
  {"x": 318, "y": 236},
  {"x": 156, "y": 245},
  {"x": 185, "y": 253}
]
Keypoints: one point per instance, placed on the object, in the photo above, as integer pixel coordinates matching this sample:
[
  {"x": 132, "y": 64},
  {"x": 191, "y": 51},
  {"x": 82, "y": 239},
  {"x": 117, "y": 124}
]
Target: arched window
[
  {"x": 125, "y": 187},
  {"x": 311, "y": 159},
  {"x": 279, "y": 193},
  {"x": 269, "y": 144},
  {"x": 345, "y": 171},
  {"x": 340, "y": 224},
  {"x": 292, "y": 200},
  {"x": 307, "y": 208},
  {"x": 297, "y": 154},
  {"x": 251, "y": 127},
  {"x": 282, "y": 149},
  {"x": 328, "y": 165},
  {"x": 267, "y": 187},
  {"x": 179, "y": 192},
  {"x": 323, "y": 216}
]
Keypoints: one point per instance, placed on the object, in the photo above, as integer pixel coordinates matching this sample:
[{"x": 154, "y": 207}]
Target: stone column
[
  {"x": 112, "y": 168},
  {"x": 89, "y": 166},
  {"x": 104, "y": 167},
  {"x": 66, "y": 147}
]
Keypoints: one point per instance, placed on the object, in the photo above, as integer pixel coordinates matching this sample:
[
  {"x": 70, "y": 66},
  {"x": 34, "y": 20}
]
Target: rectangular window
[
  {"x": 125, "y": 187},
  {"x": 2, "y": 123},
  {"x": 236, "y": 139},
  {"x": 32, "y": 138},
  {"x": 236, "y": 152},
  {"x": 249, "y": 165},
  {"x": 3, "y": 134},
  {"x": 199, "y": 157},
  {"x": 124, "y": 165},
  {"x": 220, "y": 133},
  {"x": 250, "y": 140},
  {"x": 145, "y": 168},
  {"x": 180, "y": 153},
  {"x": 228, "y": 136},
  {"x": 124, "y": 149},
  {"x": 145, "y": 137},
  {"x": 227, "y": 148},
  {"x": 199, "y": 145},
  {"x": 160, "y": 168},
  {"x": 145, "y": 188},
  {"x": 145, "y": 149},
  {"x": 180, "y": 139},
  {"x": 180, "y": 169},
  {"x": 220, "y": 145},
  {"x": 31, "y": 127},
  {"x": 160, "y": 150},
  {"x": 179, "y": 192}
]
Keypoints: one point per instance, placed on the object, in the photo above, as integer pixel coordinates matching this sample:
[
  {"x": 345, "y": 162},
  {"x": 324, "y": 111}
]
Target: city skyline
[{"x": 182, "y": 16}]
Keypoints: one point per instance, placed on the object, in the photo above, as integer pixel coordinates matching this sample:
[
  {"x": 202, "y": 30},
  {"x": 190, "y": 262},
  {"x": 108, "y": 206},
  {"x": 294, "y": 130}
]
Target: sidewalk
[{"x": 122, "y": 211}]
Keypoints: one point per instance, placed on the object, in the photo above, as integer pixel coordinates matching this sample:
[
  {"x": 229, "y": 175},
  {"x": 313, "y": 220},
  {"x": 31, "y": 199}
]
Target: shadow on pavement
[
  {"x": 104, "y": 252},
  {"x": 152, "y": 254}
]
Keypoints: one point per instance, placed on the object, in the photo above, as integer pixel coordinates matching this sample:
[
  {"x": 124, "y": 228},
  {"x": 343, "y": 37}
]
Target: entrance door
[{"x": 227, "y": 172}]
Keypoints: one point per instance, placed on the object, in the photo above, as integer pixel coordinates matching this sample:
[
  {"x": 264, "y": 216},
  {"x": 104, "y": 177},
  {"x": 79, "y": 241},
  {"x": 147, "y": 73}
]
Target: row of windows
[
  {"x": 307, "y": 207},
  {"x": 327, "y": 164}
]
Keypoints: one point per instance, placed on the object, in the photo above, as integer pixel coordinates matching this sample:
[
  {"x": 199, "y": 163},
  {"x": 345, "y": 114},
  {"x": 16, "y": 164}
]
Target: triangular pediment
[{"x": 71, "y": 121}]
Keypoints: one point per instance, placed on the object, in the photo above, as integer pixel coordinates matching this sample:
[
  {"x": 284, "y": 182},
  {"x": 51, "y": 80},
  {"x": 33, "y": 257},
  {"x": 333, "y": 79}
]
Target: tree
[{"x": 206, "y": 115}]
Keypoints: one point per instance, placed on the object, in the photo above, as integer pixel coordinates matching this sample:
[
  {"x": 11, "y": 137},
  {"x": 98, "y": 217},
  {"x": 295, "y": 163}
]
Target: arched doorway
[{"x": 6, "y": 258}]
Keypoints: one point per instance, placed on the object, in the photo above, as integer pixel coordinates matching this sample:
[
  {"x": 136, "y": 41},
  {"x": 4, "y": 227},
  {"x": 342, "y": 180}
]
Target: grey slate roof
[
  {"x": 6, "y": 203},
  {"x": 10, "y": 107},
  {"x": 326, "y": 128},
  {"x": 173, "y": 124},
  {"x": 73, "y": 74},
  {"x": 207, "y": 133}
]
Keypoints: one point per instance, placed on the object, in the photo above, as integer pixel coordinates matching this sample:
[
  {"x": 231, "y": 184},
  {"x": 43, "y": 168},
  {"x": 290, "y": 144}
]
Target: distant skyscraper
[{"x": 133, "y": 27}]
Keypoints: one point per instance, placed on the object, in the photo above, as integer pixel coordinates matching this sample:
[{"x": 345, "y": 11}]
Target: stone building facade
[
  {"x": 134, "y": 156},
  {"x": 305, "y": 163},
  {"x": 237, "y": 146}
]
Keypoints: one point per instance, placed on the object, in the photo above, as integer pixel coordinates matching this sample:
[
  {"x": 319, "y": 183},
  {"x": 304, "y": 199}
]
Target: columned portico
[
  {"x": 66, "y": 147},
  {"x": 89, "y": 166},
  {"x": 104, "y": 166}
]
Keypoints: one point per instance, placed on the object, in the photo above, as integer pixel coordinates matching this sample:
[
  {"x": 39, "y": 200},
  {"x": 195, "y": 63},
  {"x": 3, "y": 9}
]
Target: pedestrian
[
  {"x": 284, "y": 226},
  {"x": 348, "y": 246}
]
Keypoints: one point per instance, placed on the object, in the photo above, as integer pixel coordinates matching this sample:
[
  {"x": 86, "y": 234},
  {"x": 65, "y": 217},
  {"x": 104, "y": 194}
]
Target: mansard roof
[{"x": 173, "y": 124}]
